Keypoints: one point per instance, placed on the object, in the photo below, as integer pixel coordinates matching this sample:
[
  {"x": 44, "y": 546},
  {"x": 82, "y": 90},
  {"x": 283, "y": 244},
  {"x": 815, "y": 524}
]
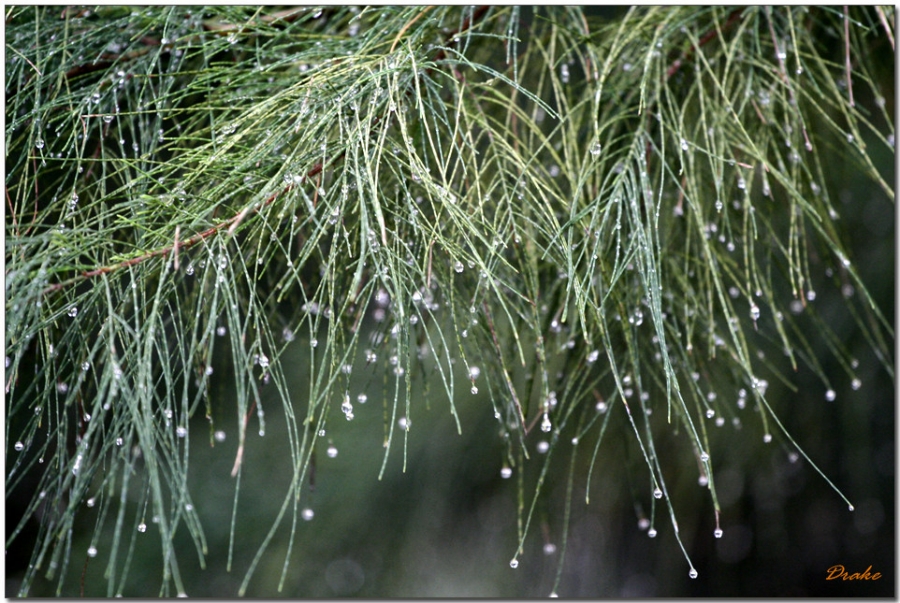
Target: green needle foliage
[{"x": 601, "y": 221}]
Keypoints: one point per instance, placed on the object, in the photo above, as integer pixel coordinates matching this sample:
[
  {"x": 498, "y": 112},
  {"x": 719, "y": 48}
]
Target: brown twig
[
  {"x": 886, "y": 25},
  {"x": 707, "y": 37},
  {"x": 847, "y": 53},
  {"x": 408, "y": 25},
  {"x": 186, "y": 244},
  {"x": 466, "y": 25}
]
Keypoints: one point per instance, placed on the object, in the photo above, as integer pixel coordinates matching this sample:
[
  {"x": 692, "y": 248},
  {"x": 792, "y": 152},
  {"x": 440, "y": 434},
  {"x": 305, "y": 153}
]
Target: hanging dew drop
[
  {"x": 657, "y": 493},
  {"x": 856, "y": 384},
  {"x": 19, "y": 446},
  {"x": 693, "y": 573},
  {"x": 39, "y": 143},
  {"x": 830, "y": 395},
  {"x": 219, "y": 436},
  {"x": 754, "y": 312},
  {"x": 458, "y": 266},
  {"x": 651, "y": 532},
  {"x": 506, "y": 473},
  {"x": 596, "y": 149},
  {"x": 718, "y": 533},
  {"x": 307, "y": 514},
  {"x": 73, "y": 311},
  {"x": 545, "y": 424},
  {"x": 92, "y": 551},
  {"x": 332, "y": 451},
  {"x": 549, "y": 548},
  {"x": 684, "y": 145},
  {"x": 767, "y": 438},
  {"x": 514, "y": 563}
]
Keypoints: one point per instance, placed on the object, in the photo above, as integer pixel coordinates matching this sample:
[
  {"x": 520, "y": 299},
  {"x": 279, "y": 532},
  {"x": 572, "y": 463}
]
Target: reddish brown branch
[
  {"x": 186, "y": 244},
  {"x": 466, "y": 25},
  {"x": 707, "y": 37}
]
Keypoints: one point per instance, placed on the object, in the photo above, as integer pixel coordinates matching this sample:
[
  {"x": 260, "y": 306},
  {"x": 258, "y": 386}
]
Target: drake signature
[{"x": 838, "y": 571}]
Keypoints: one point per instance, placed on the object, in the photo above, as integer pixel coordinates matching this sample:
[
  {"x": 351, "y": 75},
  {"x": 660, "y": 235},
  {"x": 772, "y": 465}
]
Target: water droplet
[
  {"x": 263, "y": 361},
  {"x": 313, "y": 342},
  {"x": 119, "y": 441},
  {"x": 549, "y": 548},
  {"x": 545, "y": 424},
  {"x": 514, "y": 563},
  {"x": 19, "y": 446},
  {"x": 830, "y": 395},
  {"x": 73, "y": 311},
  {"x": 220, "y": 331},
  {"x": 181, "y": 432},
  {"x": 219, "y": 436},
  {"x": 39, "y": 143},
  {"x": 596, "y": 149},
  {"x": 62, "y": 387},
  {"x": 307, "y": 514},
  {"x": 564, "y": 73},
  {"x": 692, "y": 573},
  {"x": 710, "y": 413},
  {"x": 92, "y": 551},
  {"x": 703, "y": 480},
  {"x": 651, "y": 532},
  {"x": 506, "y": 473},
  {"x": 474, "y": 390},
  {"x": 332, "y": 451},
  {"x": 810, "y": 295},
  {"x": 362, "y": 398},
  {"x": 704, "y": 457},
  {"x": 684, "y": 145},
  {"x": 142, "y": 527},
  {"x": 741, "y": 183},
  {"x": 657, "y": 493},
  {"x": 718, "y": 533},
  {"x": 592, "y": 356},
  {"x": 850, "y": 508},
  {"x": 754, "y": 312},
  {"x": 91, "y": 502},
  {"x": 767, "y": 438},
  {"x": 403, "y": 423}
]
